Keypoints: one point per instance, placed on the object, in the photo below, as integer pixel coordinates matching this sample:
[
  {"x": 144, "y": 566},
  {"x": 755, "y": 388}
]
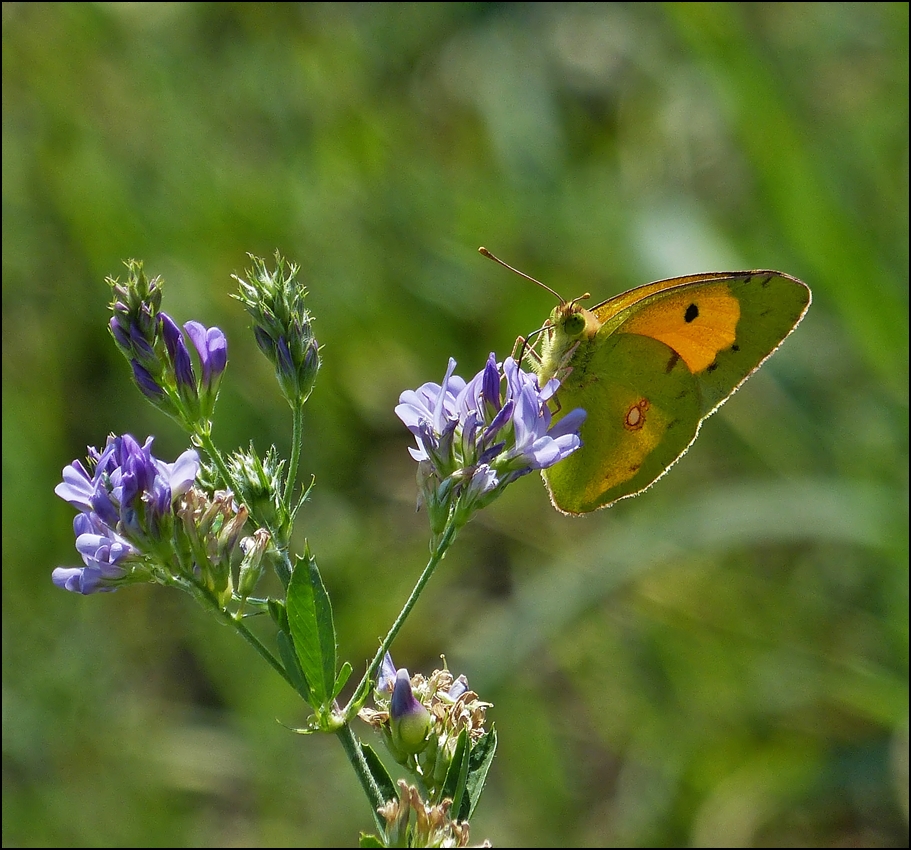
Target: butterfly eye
[{"x": 574, "y": 324}]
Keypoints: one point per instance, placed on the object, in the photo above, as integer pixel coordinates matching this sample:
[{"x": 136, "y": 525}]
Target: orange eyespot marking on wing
[{"x": 635, "y": 416}]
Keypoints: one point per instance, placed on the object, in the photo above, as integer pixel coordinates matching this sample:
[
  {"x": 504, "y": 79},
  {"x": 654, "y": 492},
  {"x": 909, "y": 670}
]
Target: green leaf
[
  {"x": 369, "y": 841},
  {"x": 479, "y": 761},
  {"x": 343, "y": 674},
  {"x": 457, "y": 775},
  {"x": 380, "y": 775},
  {"x": 312, "y": 628},
  {"x": 381, "y": 779},
  {"x": 292, "y": 665}
]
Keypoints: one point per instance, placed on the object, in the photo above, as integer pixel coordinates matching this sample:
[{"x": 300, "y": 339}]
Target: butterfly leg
[{"x": 522, "y": 349}]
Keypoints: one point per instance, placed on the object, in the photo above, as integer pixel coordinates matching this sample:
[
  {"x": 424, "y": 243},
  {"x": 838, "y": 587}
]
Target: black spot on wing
[
  {"x": 692, "y": 312},
  {"x": 712, "y": 366},
  {"x": 674, "y": 360}
]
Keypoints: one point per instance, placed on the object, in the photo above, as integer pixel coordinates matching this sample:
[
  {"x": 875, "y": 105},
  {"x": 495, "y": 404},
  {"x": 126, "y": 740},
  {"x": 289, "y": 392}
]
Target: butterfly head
[{"x": 572, "y": 320}]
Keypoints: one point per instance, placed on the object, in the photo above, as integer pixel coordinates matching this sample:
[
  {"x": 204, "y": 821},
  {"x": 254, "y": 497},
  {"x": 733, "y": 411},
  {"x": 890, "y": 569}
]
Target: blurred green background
[{"x": 720, "y": 662}]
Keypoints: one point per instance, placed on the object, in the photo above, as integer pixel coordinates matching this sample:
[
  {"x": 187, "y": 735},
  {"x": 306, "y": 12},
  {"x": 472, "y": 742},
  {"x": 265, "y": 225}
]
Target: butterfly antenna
[{"x": 486, "y": 253}]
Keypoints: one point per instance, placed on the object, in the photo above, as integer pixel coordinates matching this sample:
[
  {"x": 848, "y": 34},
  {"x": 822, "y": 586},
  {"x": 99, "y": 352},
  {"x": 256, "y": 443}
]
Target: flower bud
[
  {"x": 259, "y": 485},
  {"x": 211, "y": 529},
  {"x": 252, "y": 566},
  {"x": 282, "y": 326},
  {"x": 159, "y": 352},
  {"x": 409, "y": 721}
]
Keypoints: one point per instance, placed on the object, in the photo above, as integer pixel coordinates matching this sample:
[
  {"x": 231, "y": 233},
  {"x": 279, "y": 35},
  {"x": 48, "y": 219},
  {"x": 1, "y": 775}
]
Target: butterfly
[{"x": 649, "y": 366}]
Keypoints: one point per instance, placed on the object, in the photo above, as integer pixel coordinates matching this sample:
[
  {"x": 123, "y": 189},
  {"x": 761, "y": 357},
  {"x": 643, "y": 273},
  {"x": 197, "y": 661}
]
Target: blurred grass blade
[{"x": 817, "y": 511}]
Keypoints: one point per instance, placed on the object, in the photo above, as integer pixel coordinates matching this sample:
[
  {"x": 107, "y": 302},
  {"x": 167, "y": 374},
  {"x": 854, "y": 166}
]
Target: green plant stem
[
  {"x": 297, "y": 431},
  {"x": 258, "y": 645},
  {"x": 344, "y": 733},
  {"x": 204, "y": 439},
  {"x": 436, "y": 556},
  {"x": 209, "y": 601}
]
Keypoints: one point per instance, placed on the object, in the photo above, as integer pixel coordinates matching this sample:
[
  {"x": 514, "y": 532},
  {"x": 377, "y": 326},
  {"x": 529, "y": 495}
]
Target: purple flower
[
  {"x": 212, "y": 348},
  {"x": 458, "y": 687},
  {"x": 385, "y": 678},
  {"x": 476, "y": 437},
  {"x": 179, "y": 354},
  {"x": 126, "y": 506},
  {"x": 537, "y": 444},
  {"x": 108, "y": 557},
  {"x": 78, "y": 486}
]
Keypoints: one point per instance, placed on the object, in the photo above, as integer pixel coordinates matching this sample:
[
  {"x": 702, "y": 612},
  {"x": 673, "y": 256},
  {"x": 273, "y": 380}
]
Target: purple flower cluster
[
  {"x": 126, "y": 502},
  {"x": 153, "y": 374},
  {"x": 476, "y": 437},
  {"x": 159, "y": 352}
]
